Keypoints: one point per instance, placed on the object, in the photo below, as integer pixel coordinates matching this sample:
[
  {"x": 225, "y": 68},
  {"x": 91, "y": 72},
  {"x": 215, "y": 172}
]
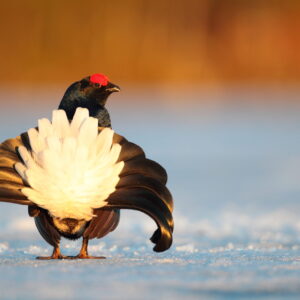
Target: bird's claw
[
  {"x": 51, "y": 257},
  {"x": 82, "y": 256},
  {"x": 70, "y": 257}
]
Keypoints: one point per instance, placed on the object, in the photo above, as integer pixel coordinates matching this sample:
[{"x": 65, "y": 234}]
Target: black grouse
[{"x": 75, "y": 173}]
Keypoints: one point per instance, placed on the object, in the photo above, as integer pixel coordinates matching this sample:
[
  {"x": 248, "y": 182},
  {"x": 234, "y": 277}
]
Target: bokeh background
[
  {"x": 210, "y": 89},
  {"x": 145, "y": 42}
]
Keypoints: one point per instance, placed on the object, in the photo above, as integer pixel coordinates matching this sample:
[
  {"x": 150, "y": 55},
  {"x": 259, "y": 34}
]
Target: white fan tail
[{"x": 71, "y": 169}]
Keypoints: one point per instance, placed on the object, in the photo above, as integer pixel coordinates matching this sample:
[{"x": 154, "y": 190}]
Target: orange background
[{"x": 140, "y": 43}]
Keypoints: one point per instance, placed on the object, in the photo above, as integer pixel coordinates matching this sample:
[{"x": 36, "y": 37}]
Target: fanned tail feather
[
  {"x": 71, "y": 169},
  {"x": 75, "y": 170},
  {"x": 142, "y": 187},
  {"x": 10, "y": 182}
]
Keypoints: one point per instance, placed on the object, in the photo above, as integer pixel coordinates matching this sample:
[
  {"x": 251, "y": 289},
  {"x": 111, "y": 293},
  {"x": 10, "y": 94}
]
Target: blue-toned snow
[{"x": 234, "y": 171}]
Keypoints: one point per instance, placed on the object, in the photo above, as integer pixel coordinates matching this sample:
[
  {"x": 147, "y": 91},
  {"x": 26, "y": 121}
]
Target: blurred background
[
  {"x": 210, "y": 89},
  {"x": 145, "y": 42}
]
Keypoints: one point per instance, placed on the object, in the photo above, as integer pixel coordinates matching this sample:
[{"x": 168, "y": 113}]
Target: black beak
[{"x": 112, "y": 88}]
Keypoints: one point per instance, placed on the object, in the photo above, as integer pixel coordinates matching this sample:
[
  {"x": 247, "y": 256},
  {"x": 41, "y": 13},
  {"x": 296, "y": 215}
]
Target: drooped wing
[
  {"x": 10, "y": 181},
  {"x": 46, "y": 228},
  {"x": 142, "y": 187},
  {"x": 104, "y": 222}
]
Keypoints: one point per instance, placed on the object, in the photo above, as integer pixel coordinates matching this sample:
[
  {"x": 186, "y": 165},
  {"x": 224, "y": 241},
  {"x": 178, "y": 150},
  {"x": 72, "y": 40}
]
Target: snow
[{"x": 234, "y": 176}]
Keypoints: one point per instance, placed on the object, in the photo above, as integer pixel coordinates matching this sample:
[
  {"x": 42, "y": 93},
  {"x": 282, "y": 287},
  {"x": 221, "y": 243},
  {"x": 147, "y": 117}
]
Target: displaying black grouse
[{"x": 75, "y": 173}]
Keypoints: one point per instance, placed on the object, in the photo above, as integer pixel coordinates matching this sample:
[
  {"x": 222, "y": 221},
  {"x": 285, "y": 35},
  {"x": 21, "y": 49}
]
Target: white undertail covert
[{"x": 72, "y": 168}]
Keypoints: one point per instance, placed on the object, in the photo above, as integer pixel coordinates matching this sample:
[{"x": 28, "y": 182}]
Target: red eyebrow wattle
[{"x": 99, "y": 78}]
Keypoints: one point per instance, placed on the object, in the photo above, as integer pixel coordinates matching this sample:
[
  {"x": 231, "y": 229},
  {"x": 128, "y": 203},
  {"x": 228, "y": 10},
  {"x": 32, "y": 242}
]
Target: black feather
[
  {"x": 142, "y": 181},
  {"x": 149, "y": 203},
  {"x": 130, "y": 151},
  {"x": 147, "y": 167},
  {"x": 46, "y": 228},
  {"x": 103, "y": 223}
]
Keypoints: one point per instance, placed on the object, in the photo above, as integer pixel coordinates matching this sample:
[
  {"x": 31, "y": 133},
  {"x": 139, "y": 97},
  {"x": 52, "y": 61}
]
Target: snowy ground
[{"x": 234, "y": 172}]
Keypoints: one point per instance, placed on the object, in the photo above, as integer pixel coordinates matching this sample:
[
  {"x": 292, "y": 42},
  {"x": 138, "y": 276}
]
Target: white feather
[{"x": 72, "y": 169}]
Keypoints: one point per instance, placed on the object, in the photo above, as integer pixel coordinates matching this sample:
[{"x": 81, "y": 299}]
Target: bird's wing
[
  {"x": 46, "y": 229},
  {"x": 105, "y": 221},
  {"x": 142, "y": 187},
  {"x": 10, "y": 181}
]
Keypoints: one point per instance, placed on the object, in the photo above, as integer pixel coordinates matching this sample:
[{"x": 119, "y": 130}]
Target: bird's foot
[
  {"x": 55, "y": 255},
  {"x": 83, "y": 256},
  {"x": 83, "y": 253},
  {"x": 79, "y": 256},
  {"x": 52, "y": 257}
]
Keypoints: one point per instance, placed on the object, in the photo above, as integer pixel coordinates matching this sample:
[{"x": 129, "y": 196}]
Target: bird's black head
[{"x": 91, "y": 92}]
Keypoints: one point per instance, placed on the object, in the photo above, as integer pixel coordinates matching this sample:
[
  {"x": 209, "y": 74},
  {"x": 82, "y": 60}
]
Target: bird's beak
[{"x": 113, "y": 88}]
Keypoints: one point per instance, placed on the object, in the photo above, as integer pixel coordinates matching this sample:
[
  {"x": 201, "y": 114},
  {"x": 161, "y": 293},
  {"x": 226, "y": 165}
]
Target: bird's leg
[
  {"x": 83, "y": 254},
  {"x": 55, "y": 255}
]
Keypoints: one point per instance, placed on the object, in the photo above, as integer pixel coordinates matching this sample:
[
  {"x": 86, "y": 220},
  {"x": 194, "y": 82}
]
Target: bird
[{"x": 75, "y": 173}]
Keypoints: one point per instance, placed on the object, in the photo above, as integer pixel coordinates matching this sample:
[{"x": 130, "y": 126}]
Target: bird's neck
[{"x": 97, "y": 111}]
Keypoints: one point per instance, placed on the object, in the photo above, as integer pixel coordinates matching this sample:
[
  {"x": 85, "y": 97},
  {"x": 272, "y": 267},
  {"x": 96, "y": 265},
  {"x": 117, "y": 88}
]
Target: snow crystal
[{"x": 186, "y": 248}]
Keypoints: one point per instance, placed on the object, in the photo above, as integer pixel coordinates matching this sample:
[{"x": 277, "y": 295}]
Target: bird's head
[
  {"x": 96, "y": 88},
  {"x": 89, "y": 92}
]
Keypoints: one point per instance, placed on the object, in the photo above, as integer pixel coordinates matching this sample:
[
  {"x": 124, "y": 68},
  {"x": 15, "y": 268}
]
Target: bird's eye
[
  {"x": 97, "y": 85},
  {"x": 84, "y": 84}
]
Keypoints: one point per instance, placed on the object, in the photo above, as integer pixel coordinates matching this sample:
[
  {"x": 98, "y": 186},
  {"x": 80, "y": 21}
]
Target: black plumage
[
  {"x": 90, "y": 95},
  {"x": 142, "y": 184}
]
